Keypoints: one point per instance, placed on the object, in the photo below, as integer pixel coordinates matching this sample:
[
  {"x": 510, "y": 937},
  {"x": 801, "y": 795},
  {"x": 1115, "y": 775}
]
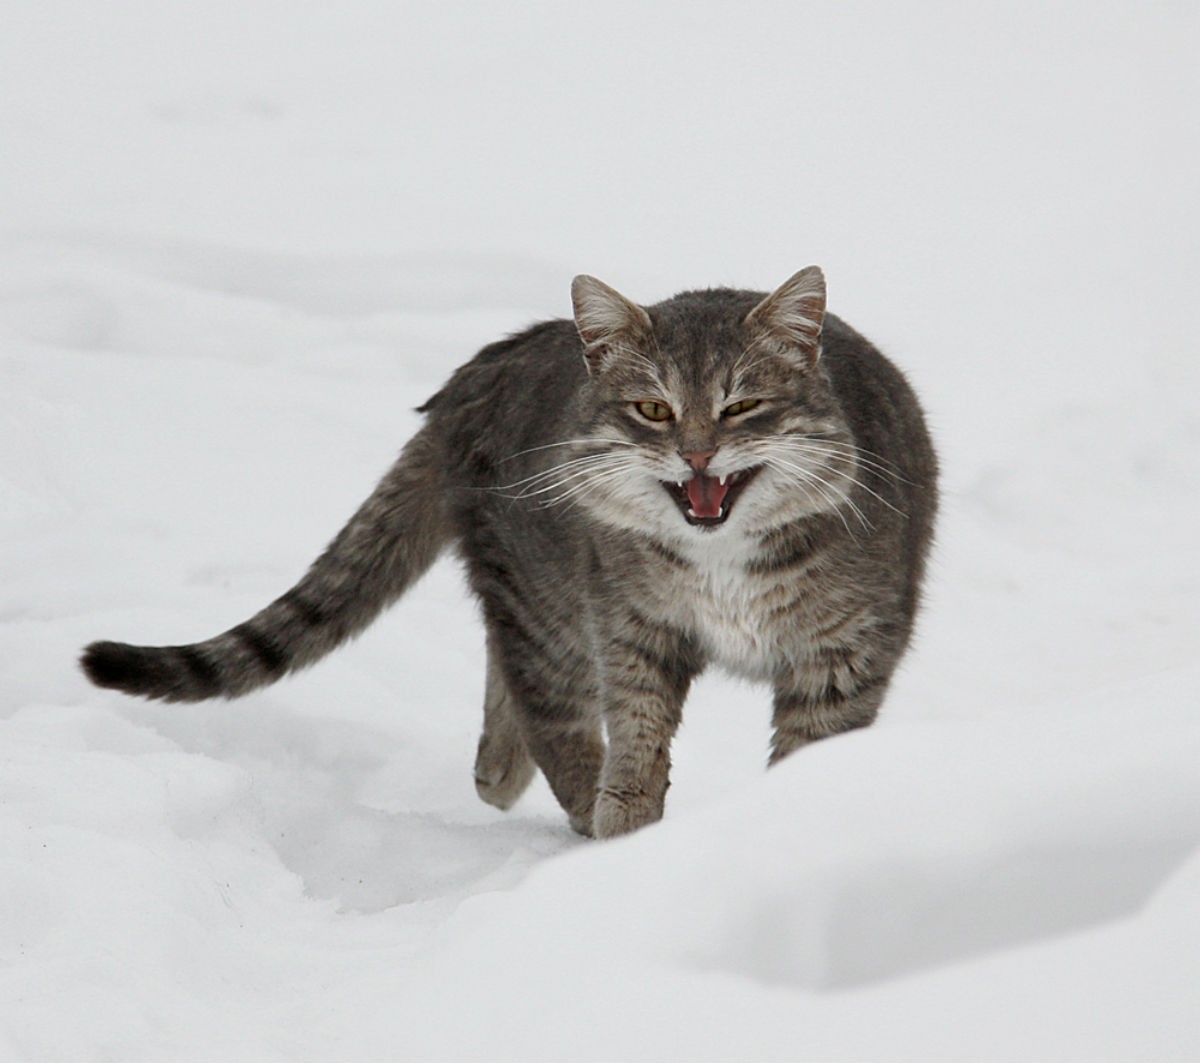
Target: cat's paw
[
  {"x": 503, "y": 769},
  {"x": 620, "y": 812},
  {"x": 582, "y": 824}
]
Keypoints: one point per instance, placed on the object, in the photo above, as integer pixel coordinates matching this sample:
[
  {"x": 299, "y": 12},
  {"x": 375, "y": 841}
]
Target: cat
[{"x": 725, "y": 477}]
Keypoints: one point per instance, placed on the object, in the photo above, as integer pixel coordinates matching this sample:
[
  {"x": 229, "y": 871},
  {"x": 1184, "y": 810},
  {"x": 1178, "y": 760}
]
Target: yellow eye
[
  {"x": 654, "y": 411},
  {"x": 742, "y": 406}
]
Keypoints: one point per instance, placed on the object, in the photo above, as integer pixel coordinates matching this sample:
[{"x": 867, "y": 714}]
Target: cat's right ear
[{"x": 606, "y": 321}]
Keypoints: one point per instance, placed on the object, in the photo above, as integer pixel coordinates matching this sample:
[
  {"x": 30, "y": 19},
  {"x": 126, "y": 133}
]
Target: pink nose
[{"x": 697, "y": 459}]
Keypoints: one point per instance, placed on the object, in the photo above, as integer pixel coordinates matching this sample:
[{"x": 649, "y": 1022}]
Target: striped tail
[{"x": 388, "y": 544}]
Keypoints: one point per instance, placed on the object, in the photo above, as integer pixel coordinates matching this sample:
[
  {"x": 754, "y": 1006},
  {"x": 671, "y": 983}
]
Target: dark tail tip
[
  {"x": 116, "y": 666},
  {"x": 113, "y": 665},
  {"x": 175, "y": 673}
]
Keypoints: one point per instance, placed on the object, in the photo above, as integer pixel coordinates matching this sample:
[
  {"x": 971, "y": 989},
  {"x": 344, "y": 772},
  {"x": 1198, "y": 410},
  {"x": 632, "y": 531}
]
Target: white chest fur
[{"x": 724, "y": 606}]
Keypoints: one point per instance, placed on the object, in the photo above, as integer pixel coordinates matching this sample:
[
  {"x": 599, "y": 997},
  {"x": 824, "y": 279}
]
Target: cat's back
[
  {"x": 879, "y": 403},
  {"x": 898, "y": 462},
  {"x": 513, "y": 396}
]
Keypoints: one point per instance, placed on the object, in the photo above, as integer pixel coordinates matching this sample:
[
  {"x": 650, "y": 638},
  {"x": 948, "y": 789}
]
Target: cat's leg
[
  {"x": 822, "y": 701},
  {"x": 549, "y": 678},
  {"x": 570, "y": 756},
  {"x": 646, "y": 678},
  {"x": 503, "y": 766}
]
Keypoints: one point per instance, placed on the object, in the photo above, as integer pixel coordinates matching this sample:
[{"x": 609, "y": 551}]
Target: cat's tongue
[{"x": 706, "y": 493}]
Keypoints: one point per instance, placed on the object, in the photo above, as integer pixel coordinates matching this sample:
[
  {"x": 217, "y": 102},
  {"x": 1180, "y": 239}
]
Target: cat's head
[{"x": 710, "y": 411}]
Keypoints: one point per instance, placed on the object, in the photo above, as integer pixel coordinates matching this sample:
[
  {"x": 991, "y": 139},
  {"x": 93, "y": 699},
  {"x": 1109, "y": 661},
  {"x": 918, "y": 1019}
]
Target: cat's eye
[
  {"x": 741, "y": 406},
  {"x": 654, "y": 411}
]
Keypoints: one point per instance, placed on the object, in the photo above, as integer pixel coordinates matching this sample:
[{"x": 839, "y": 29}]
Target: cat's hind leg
[{"x": 503, "y": 766}]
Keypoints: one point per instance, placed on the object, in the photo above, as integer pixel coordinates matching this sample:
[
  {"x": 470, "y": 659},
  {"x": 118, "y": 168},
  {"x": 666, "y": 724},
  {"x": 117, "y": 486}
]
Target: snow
[{"x": 241, "y": 242}]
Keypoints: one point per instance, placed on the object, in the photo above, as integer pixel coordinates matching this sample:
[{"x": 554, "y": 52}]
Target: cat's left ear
[
  {"x": 794, "y": 313},
  {"x": 606, "y": 320}
]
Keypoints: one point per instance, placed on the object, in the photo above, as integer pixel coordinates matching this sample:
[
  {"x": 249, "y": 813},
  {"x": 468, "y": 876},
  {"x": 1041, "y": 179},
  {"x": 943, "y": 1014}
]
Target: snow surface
[{"x": 241, "y": 241}]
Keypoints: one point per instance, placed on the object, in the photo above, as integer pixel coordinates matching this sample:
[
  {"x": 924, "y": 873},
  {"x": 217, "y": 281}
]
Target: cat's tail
[{"x": 394, "y": 537}]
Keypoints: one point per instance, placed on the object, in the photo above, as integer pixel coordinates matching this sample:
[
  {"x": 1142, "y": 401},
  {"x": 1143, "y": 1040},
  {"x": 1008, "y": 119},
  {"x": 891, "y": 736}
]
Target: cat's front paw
[{"x": 620, "y": 812}]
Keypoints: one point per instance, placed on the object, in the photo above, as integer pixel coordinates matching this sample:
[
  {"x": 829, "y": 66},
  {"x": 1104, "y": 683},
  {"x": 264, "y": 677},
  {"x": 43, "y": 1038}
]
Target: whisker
[
  {"x": 803, "y": 447},
  {"x": 571, "y": 482},
  {"x": 869, "y": 459},
  {"x": 567, "y": 443},
  {"x": 577, "y": 468},
  {"x": 578, "y": 460},
  {"x": 571, "y": 463},
  {"x": 832, "y": 494},
  {"x": 580, "y": 490},
  {"x": 565, "y": 472},
  {"x": 833, "y": 446}
]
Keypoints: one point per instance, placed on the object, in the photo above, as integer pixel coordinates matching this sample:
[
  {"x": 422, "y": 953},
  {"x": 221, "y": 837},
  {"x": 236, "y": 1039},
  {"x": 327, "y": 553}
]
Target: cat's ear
[
  {"x": 794, "y": 313},
  {"x": 606, "y": 320}
]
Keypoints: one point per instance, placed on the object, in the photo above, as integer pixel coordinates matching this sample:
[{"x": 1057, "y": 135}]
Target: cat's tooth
[
  {"x": 692, "y": 512},
  {"x": 723, "y": 479}
]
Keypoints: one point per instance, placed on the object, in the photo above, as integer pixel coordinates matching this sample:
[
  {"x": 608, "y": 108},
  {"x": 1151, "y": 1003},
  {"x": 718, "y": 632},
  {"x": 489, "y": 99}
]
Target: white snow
[{"x": 241, "y": 241}]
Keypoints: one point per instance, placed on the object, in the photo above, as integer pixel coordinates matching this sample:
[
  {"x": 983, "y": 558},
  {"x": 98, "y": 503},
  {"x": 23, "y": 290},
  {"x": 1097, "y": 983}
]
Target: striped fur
[
  {"x": 392, "y": 539},
  {"x": 723, "y": 478}
]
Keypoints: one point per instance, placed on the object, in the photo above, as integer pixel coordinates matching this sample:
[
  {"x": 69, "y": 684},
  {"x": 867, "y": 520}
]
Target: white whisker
[
  {"x": 834, "y": 496},
  {"x": 580, "y": 462},
  {"x": 866, "y": 458},
  {"x": 558, "y": 475},
  {"x": 574, "y": 480},
  {"x": 580, "y": 490},
  {"x": 822, "y": 449},
  {"x": 594, "y": 440}
]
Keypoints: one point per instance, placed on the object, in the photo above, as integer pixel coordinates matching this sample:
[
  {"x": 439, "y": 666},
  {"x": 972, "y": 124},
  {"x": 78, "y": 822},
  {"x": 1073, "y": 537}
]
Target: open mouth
[{"x": 706, "y": 501}]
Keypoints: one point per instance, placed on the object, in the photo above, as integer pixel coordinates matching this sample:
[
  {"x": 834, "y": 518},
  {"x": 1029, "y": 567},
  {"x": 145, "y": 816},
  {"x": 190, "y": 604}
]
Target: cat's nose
[{"x": 697, "y": 459}]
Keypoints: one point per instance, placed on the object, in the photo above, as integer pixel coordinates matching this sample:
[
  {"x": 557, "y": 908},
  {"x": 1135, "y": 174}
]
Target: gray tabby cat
[{"x": 724, "y": 477}]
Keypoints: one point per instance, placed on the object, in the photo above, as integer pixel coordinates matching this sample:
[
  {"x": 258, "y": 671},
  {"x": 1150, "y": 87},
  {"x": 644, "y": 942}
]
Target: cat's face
[{"x": 710, "y": 413}]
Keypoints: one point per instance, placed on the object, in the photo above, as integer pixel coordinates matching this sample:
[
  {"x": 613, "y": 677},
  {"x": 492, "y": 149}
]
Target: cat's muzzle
[{"x": 706, "y": 501}]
